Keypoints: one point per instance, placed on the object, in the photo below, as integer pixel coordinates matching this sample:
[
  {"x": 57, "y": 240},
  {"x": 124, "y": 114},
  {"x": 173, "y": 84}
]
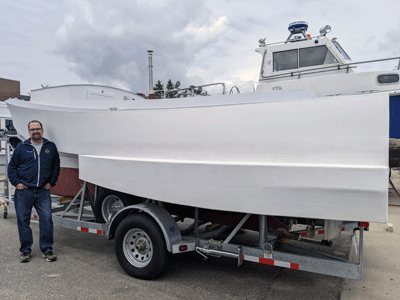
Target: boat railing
[
  {"x": 192, "y": 90},
  {"x": 329, "y": 68}
]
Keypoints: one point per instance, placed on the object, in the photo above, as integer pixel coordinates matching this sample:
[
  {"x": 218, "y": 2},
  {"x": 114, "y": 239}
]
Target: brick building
[{"x": 9, "y": 89}]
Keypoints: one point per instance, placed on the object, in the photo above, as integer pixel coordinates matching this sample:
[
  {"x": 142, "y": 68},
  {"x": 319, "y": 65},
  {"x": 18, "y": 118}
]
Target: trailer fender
[{"x": 167, "y": 224}]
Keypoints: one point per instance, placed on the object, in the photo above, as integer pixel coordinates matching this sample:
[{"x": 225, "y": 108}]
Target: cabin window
[
  {"x": 301, "y": 58},
  {"x": 285, "y": 60},
  {"x": 388, "y": 78},
  {"x": 315, "y": 56}
]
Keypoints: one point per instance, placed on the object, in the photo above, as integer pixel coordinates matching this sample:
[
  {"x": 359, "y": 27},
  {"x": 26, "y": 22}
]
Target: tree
[
  {"x": 159, "y": 87},
  {"x": 171, "y": 86}
]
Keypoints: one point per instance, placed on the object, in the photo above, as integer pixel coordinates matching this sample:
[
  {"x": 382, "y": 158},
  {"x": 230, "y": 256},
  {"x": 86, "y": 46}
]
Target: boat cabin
[
  {"x": 301, "y": 53},
  {"x": 303, "y": 61}
]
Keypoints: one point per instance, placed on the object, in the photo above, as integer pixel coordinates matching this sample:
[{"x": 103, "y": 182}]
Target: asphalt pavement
[{"x": 87, "y": 268}]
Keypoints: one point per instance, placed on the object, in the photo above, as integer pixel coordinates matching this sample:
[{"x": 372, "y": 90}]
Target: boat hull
[
  {"x": 324, "y": 158},
  {"x": 297, "y": 190}
]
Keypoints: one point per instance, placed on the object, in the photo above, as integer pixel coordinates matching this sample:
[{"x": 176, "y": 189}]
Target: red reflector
[
  {"x": 183, "y": 248},
  {"x": 364, "y": 224}
]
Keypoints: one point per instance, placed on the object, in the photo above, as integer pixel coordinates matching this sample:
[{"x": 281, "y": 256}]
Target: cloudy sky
[{"x": 54, "y": 42}]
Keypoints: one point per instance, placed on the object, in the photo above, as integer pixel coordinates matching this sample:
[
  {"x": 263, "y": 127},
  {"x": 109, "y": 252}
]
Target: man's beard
[{"x": 36, "y": 137}]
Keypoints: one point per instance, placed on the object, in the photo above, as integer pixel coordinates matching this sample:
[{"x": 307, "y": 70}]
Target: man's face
[{"x": 35, "y": 132}]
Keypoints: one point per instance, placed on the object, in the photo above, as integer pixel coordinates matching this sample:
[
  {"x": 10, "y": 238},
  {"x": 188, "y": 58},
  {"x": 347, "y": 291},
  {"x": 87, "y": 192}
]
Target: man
[{"x": 33, "y": 170}]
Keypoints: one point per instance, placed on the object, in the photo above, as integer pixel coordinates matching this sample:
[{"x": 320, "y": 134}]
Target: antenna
[{"x": 297, "y": 28}]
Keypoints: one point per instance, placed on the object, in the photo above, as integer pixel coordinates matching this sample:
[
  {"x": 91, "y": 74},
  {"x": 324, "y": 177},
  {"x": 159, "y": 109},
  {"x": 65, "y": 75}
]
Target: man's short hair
[{"x": 34, "y": 121}]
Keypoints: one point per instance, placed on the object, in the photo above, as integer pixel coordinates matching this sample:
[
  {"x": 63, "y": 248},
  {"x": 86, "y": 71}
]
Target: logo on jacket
[{"x": 47, "y": 151}]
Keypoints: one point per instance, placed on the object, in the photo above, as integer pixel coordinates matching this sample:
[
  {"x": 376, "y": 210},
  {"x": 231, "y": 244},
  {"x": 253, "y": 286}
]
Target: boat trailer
[{"x": 145, "y": 232}]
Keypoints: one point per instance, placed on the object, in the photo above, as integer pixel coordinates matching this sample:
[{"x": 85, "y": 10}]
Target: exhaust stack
[{"x": 151, "y": 92}]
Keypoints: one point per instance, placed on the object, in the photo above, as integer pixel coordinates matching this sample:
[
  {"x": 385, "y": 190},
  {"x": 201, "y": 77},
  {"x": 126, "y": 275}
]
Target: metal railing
[{"x": 191, "y": 91}]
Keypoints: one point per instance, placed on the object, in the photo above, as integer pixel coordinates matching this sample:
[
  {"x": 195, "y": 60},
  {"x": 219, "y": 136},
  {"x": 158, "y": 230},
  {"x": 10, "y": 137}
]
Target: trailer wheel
[
  {"x": 140, "y": 247},
  {"x": 108, "y": 203}
]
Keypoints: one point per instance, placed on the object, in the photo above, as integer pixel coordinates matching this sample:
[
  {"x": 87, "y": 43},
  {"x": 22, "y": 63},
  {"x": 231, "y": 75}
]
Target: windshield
[
  {"x": 337, "y": 45},
  {"x": 315, "y": 56},
  {"x": 301, "y": 58}
]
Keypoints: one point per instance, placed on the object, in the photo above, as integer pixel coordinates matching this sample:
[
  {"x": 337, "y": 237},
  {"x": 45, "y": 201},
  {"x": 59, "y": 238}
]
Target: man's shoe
[
  {"x": 25, "y": 257},
  {"x": 49, "y": 256}
]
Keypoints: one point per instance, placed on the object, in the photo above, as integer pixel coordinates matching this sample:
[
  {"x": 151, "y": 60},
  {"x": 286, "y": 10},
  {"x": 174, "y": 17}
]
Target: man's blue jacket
[{"x": 34, "y": 170}]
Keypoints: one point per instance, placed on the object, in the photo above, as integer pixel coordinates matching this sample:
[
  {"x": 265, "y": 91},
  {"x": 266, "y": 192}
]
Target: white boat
[
  {"x": 278, "y": 153},
  {"x": 312, "y": 142}
]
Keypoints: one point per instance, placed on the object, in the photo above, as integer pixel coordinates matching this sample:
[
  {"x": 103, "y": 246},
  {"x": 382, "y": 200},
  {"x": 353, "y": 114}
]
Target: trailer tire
[
  {"x": 108, "y": 203},
  {"x": 140, "y": 247}
]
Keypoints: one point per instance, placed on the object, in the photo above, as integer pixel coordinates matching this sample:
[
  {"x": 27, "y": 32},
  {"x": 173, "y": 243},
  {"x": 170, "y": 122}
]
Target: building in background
[{"x": 11, "y": 89}]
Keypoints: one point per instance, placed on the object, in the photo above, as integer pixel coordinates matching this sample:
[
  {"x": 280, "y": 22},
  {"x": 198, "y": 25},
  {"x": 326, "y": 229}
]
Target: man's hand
[
  {"x": 20, "y": 186},
  {"x": 47, "y": 186}
]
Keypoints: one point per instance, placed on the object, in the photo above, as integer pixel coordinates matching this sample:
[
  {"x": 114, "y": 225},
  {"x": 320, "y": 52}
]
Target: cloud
[
  {"x": 107, "y": 43},
  {"x": 194, "y": 41},
  {"x": 198, "y": 36}
]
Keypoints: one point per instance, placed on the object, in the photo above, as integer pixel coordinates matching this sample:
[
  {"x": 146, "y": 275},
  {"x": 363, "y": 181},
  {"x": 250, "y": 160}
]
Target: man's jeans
[{"x": 24, "y": 200}]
